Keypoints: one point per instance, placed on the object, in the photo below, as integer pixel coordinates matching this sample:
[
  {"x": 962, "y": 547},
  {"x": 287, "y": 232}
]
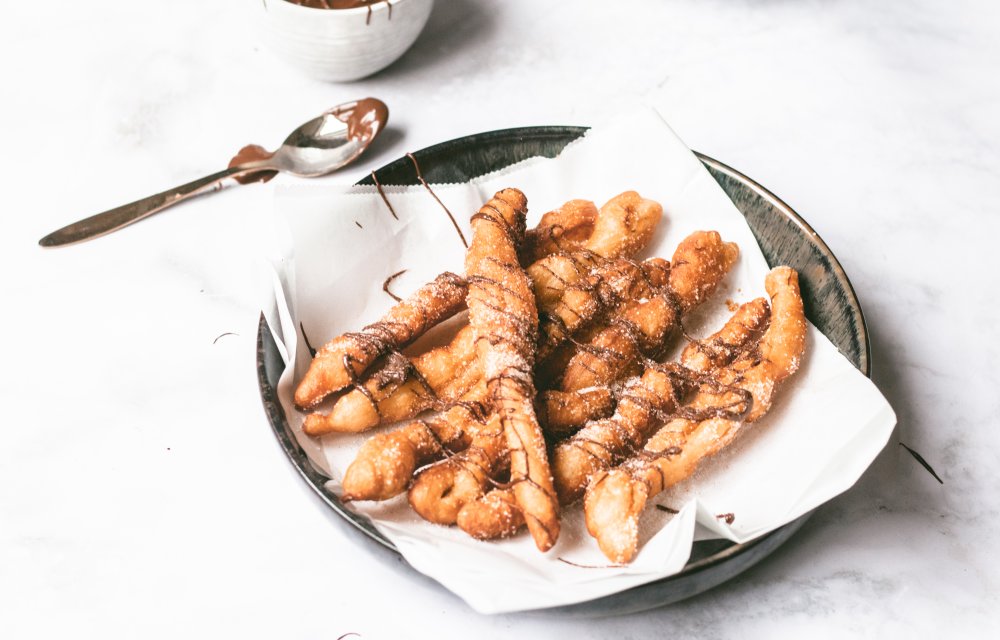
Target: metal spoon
[{"x": 318, "y": 147}]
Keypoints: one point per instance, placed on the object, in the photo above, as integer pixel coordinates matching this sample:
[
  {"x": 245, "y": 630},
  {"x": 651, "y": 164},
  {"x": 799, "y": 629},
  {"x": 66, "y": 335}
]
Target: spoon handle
[{"x": 118, "y": 217}]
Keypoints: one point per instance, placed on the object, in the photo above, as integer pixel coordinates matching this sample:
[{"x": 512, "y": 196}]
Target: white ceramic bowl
[{"x": 343, "y": 44}]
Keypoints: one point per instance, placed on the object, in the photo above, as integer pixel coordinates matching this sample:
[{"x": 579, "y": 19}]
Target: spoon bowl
[
  {"x": 318, "y": 147},
  {"x": 331, "y": 140}
]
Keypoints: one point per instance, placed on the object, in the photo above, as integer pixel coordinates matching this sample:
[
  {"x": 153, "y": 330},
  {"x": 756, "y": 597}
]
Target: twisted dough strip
[
  {"x": 562, "y": 412},
  {"x": 504, "y": 319},
  {"x": 699, "y": 264},
  {"x": 385, "y": 463},
  {"x": 338, "y": 363},
  {"x": 606, "y": 442},
  {"x": 642, "y": 401},
  {"x": 622, "y": 228},
  {"x": 603, "y": 291},
  {"x": 571, "y": 289},
  {"x": 493, "y": 517},
  {"x": 440, "y": 491},
  {"x": 616, "y": 498},
  {"x": 405, "y": 388},
  {"x": 561, "y": 230},
  {"x": 402, "y": 388}
]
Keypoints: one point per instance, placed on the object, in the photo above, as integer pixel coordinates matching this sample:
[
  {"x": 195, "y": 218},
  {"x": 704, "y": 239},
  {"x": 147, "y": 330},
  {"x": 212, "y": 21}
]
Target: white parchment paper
[{"x": 826, "y": 427}]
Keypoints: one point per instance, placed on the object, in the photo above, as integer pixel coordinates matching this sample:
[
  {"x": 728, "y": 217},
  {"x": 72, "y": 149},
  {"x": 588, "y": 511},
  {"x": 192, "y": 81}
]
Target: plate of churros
[{"x": 594, "y": 404}]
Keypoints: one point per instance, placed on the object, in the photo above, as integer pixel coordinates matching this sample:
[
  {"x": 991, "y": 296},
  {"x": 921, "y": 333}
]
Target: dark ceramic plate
[{"x": 784, "y": 237}]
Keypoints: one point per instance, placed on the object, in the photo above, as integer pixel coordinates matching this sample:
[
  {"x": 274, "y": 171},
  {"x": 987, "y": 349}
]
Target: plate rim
[{"x": 315, "y": 479}]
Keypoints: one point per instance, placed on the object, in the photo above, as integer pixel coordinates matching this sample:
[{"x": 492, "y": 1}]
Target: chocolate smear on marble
[{"x": 919, "y": 458}]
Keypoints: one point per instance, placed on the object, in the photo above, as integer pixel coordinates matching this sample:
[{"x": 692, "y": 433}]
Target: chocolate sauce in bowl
[
  {"x": 336, "y": 4},
  {"x": 344, "y": 4}
]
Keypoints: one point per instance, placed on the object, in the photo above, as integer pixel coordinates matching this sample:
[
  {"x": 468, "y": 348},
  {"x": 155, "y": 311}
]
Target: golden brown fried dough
[
  {"x": 397, "y": 391},
  {"x": 340, "y": 361},
  {"x": 560, "y": 231},
  {"x": 699, "y": 264},
  {"x": 624, "y": 225},
  {"x": 504, "y": 319},
  {"x": 493, "y": 516},
  {"x": 606, "y": 288},
  {"x": 604, "y": 443},
  {"x": 386, "y": 462},
  {"x": 441, "y": 490},
  {"x": 727, "y": 344},
  {"x": 561, "y": 413},
  {"x": 403, "y": 388},
  {"x": 641, "y": 331},
  {"x": 616, "y": 498}
]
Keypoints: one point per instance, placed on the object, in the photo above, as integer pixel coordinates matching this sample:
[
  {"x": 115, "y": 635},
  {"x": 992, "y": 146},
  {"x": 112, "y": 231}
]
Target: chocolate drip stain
[
  {"x": 729, "y": 518},
  {"x": 420, "y": 177},
  {"x": 378, "y": 185},
  {"x": 312, "y": 352},
  {"x": 388, "y": 281},
  {"x": 663, "y": 507}
]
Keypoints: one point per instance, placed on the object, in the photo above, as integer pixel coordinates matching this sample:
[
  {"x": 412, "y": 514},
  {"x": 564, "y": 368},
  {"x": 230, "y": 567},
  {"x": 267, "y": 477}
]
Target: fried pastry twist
[
  {"x": 603, "y": 291},
  {"x": 338, "y": 363},
  {"x": 440, "y": 491},
  {"x": 744, "y": 392},
  {"x": 563, "y": 412},
  {"x": 406, "y": 388},
  {"x": 700, "y": 262},
  {"x": 403, "y": 388},
  {"x": 493, "y": 516},
  {"x": 642, "y": 330},
  {"x": 561, "y": 230},
  {"x": 385, "y": 463},
  {"x": 490, "y": 516},
  {"x": 504, "y": 319}
]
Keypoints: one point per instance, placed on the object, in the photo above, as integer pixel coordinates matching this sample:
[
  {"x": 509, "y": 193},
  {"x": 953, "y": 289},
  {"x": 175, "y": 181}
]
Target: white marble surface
[{"x": 141, "y": 493}]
